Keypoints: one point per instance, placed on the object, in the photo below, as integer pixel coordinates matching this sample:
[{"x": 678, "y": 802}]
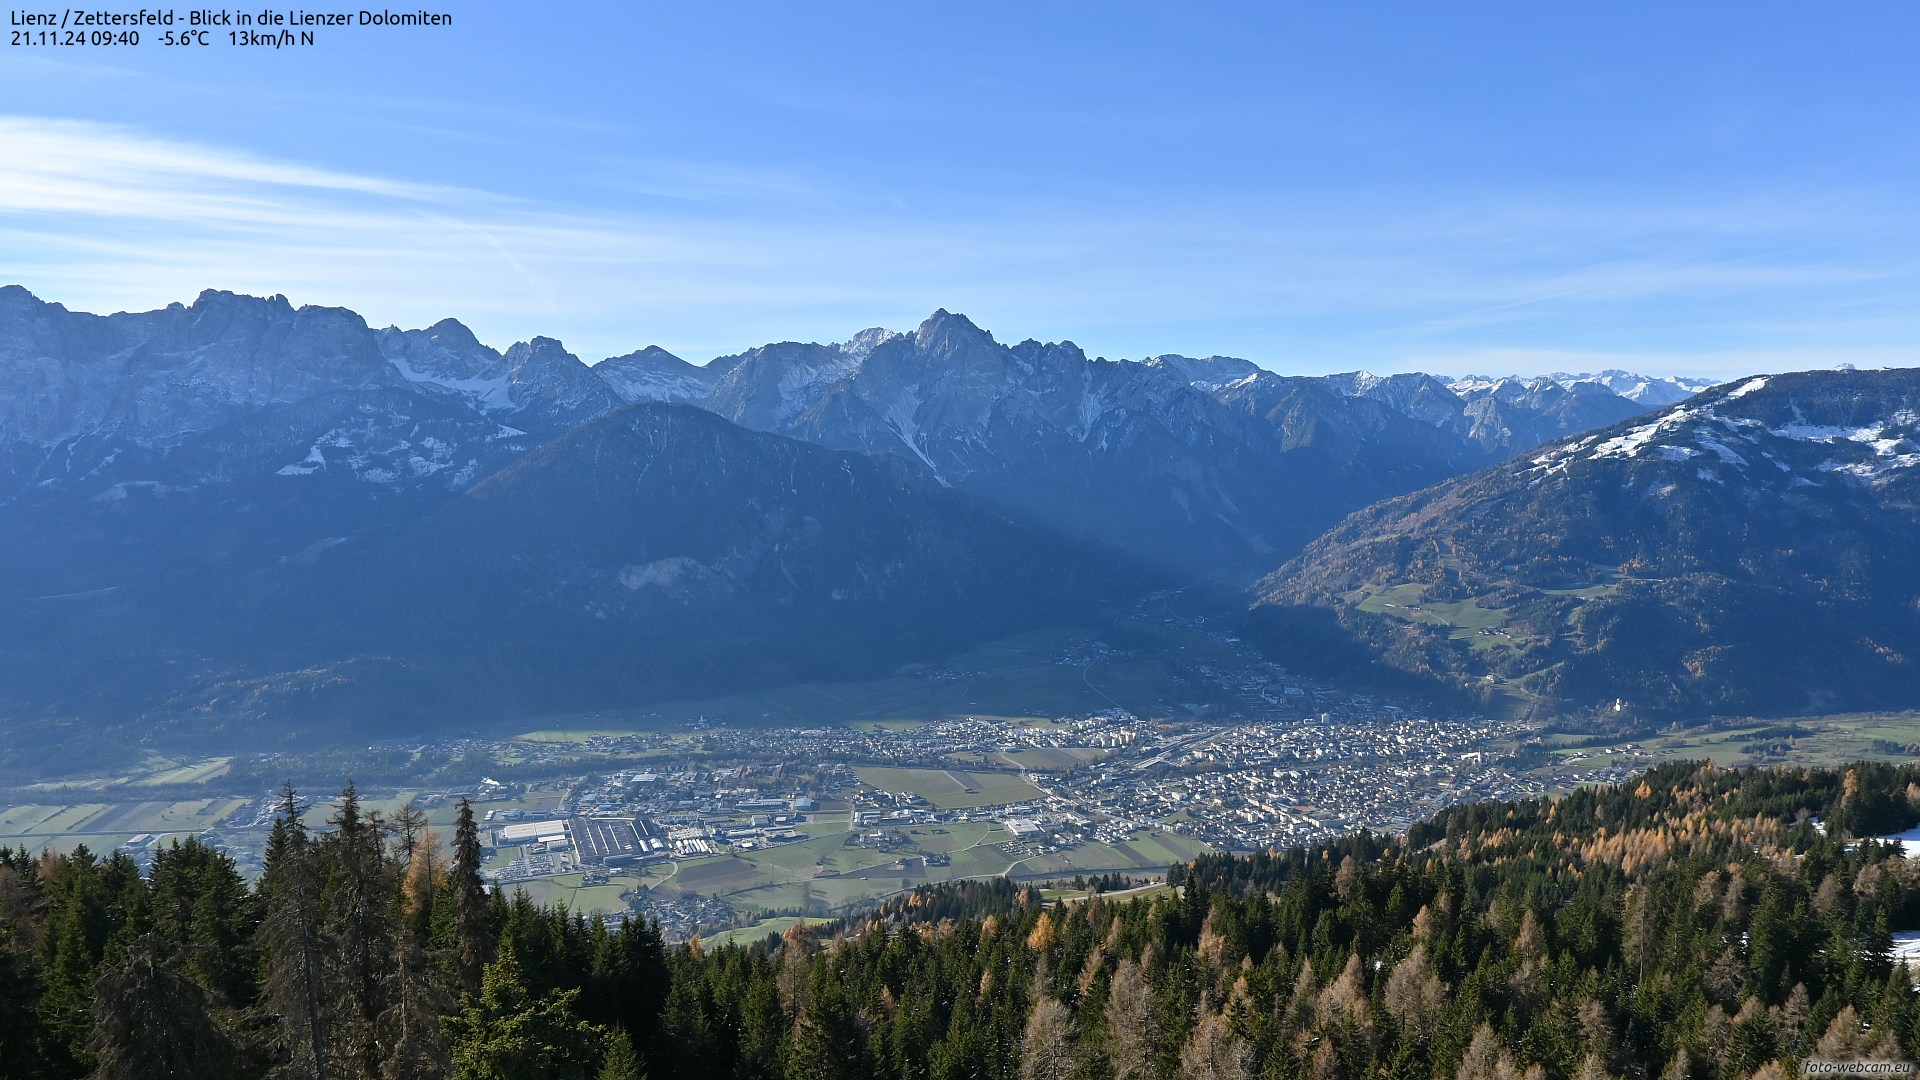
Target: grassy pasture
[
  {"x": 1831, "y": 739},
  {"x": 941, "y": 839},
  {"x": 1163, "y": 849},
  {"x": 803, "y": 857},
  {"x": 950, "y": 789},
  {"x": 103, "y": 827},
  {"x": 585, "y": 900},
  {"x": 71, "y": 819},
  {"x": 718, "y": 876},
  {"x": 1049, "y": 758},
  {"x": 575, "y": 735},
  {"x": 750, "y": 935},
  {"x": 824, "y": 871}
]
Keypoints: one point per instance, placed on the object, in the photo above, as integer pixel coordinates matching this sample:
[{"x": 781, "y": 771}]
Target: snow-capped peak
[{"x": 1652, "y": 391}]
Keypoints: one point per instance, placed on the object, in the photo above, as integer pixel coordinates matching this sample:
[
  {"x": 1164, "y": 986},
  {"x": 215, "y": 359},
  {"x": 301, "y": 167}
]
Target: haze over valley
[
  {"x": 1090, "y": 612},
  {"x": 240, "y": 519}
]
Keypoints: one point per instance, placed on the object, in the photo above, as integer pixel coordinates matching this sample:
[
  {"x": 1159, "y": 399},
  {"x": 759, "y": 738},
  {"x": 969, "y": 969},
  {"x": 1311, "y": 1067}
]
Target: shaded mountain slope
[
  {"x": 656, "y": 551},
  {"x": 1748, "y": 550}
]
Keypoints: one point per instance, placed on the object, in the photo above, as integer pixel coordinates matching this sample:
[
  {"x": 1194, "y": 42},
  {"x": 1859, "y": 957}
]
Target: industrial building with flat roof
[{"x": 528, "y": 832}]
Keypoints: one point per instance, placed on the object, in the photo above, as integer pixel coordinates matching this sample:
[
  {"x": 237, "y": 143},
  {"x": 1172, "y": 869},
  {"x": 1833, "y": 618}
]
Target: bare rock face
[
  {"x": 1203, "y": 468},
  {"x": 157, "y": 376},
  {"x": 654, "y": 374}
]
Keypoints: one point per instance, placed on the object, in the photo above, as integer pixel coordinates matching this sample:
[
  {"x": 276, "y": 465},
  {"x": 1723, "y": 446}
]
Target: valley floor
[{"x": 1045, "y": 757}]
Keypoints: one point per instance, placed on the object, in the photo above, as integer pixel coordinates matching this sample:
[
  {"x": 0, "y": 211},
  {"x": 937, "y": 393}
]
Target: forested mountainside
[
  {"x": 1697, "y": 922},
  {"x": 1745, "y": 551}
]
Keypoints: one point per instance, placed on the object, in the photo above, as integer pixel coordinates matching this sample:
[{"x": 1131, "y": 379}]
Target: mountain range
[
  {"x": 238, "y": 509},
  {"x": 1199, "y": 468},
  {"x": 1747, "y": 550}
]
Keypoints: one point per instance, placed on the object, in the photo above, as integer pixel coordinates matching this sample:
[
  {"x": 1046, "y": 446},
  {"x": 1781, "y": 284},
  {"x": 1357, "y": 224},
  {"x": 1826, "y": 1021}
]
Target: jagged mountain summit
[
  {"x": 234, "y": 510},
  {"x": 654, "y": 374},
  {"x": 183, "y": 492},
  {"x": 239, "y": 431},
  {"x": 1652, "y": 391},
  {"x": 1748, "y": 550},
  {"x": 1202, "y": 467}
]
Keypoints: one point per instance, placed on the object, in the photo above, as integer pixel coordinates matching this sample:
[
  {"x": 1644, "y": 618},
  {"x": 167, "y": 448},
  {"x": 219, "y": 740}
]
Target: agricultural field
[
  {"x": 1150, "y": 852},
  {"x": 193, "y": 772},
  {"x": 1816, "y": 740},
  {"x": 825, "y": 870},
  {"x": 1484, "y": 629},
  {"x": 1048, "y": 758},
  {"x": 760, "y": 931},
  {"x": 608, "y": 899},
  {"x": 154, "y": 770},
  {"x": 1163, "y": 849},
  {"x": 575, "y": 735},
  {"x": 105, "y": 826},
  {"x": 1464, "y": 617},
  {"x": 944, "y": 839},
  {"x": 1140, "y": 892},
  {"x": 951, "y": 789}
]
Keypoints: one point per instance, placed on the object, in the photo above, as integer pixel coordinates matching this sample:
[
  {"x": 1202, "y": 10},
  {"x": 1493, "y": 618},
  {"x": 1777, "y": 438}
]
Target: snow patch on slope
[{"x": 488, "y": 394}]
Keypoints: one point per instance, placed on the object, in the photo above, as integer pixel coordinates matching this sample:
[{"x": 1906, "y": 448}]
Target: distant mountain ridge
[
  {"x": 1651, "y": 391},
  {"x": 1202, "y": 467}
]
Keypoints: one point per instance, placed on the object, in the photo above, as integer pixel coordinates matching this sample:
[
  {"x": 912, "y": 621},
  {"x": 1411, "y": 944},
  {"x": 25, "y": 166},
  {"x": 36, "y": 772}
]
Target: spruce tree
[
  {"x": 621, "y": 1063},
  {"x": 289, "y": 938},
  {"x": 74, "y": 946},
  {"x": 506, "y": 1033},
  {"x": 359, "y": 929},
  {"x": 201, "y": 904},
  {"x": 150, "y": 1022},
  {"x": 471, "y": 910}
]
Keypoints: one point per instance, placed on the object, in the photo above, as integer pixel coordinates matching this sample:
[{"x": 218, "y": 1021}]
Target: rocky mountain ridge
[
  {"x": 1200, "y": 467},
  {"x": 235, "y": 509}
]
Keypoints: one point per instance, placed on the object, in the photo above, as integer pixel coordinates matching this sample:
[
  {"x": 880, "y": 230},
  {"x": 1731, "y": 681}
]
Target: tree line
[{"x": 1697, "y": 923}]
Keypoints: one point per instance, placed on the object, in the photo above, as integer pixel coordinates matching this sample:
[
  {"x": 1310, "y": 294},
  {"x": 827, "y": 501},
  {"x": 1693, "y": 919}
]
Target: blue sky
[{"x": 1703, "y": 189}]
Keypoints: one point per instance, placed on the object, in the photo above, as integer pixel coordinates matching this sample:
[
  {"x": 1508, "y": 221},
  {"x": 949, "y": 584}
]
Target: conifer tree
[
  {"x": 19, "y": 1029},
  {"x": 150, "y": 1022},
  {"x": 413, "y": 1041},
  {"x": 289, "y": 936},
  {"x": 470, "y": 910},
  {"x": 621, "y": 1063},
  {"x": 201, "y": 904},
  {"x": 1133, "y": 1032},
  {"x": 72, "y": 950},
  {"x": 358, "y": 928},
  {"x": 506, "y": 1033}
]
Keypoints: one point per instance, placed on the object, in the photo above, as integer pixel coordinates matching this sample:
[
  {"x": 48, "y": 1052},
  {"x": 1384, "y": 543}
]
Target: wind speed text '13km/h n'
[{"x": 203, "y": 27}]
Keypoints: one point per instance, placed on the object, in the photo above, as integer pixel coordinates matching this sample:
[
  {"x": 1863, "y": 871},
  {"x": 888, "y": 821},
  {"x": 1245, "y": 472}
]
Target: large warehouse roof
[{"x": 532, "y": 830}]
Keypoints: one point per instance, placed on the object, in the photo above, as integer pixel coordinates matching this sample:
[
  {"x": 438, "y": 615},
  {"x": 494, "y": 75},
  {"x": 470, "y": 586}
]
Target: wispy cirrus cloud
[
  {"x": 83, "y": 167},
  {"x": 707, "y": 259}
]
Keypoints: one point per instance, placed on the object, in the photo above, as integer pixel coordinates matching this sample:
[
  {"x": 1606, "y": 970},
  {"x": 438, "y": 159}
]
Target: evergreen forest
[{"x": 1698, "y": 923}]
